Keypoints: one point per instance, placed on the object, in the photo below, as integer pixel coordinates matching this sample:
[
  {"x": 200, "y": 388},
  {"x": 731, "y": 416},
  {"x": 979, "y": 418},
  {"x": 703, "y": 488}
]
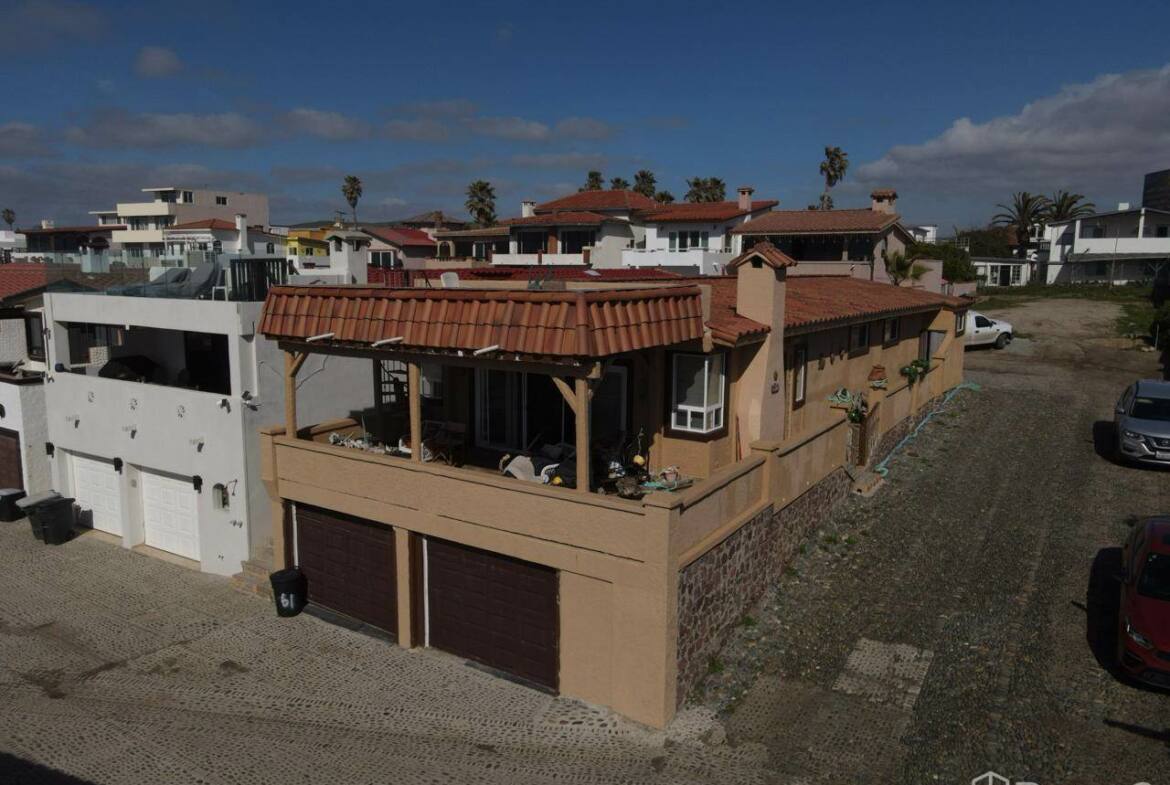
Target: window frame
[
  {"x": 799, "y": 375},
  {"x": 960, "y": 322},
  {"x": 41, "y": 354},
  {"x": 855, "y": 330},
  {"x": 717, "y": 411},
  {"x": 890, "y": 337}
]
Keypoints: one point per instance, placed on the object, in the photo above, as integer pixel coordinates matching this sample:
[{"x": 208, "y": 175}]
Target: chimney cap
[
  {"x": 747, "y": 188},
  {"x": 883, "y": 193}
]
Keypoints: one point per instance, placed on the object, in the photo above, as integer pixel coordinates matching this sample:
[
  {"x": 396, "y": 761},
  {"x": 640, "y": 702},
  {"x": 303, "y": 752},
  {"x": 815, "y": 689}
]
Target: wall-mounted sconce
[
  {"x": 225, "y": 404},
  {"x": 118, "y": 465},
  {"x": 197, "y": 483},
  {"x": 49, "y": 449}
]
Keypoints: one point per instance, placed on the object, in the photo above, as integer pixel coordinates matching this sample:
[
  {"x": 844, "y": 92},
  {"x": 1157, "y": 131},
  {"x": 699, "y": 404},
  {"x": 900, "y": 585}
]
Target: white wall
[
  {"x": 24, "y": 412},
  {"x": 186, "y": 432}
]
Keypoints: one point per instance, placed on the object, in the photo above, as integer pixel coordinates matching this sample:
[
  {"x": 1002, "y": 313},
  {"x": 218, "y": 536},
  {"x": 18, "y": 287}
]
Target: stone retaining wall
[
  {"x": 900, "y": 431},
  {"x": 720, "y": 586}
]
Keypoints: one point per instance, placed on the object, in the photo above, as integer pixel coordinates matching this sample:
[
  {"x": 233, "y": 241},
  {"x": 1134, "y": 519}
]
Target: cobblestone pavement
[
  {"x": 958, "y": 621},
  {"x": 942, "y": 627}
]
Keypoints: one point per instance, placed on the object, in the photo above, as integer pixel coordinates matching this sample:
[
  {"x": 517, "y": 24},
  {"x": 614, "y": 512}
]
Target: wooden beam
[
  {"x": 570, "y": 368},
  {"x": 582, "y": 411},
  {"x": 292, "y": 364},
  {"x": 414, "y": 395},
  {"x": 567, "y": 392}
]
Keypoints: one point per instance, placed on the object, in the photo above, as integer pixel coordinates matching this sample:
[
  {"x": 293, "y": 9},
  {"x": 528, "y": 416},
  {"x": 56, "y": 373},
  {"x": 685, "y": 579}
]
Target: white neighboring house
[
  {"x": 696, "y": 237},
  {"x": 153, "y": 405},
  {"x": 196, "y": 240},
  {"x": 924, "y": 233},
  {"x": 144, "y": 222},
  {"x": 348, "y": 262},
  {"x": 23, "y": 462},
  {"x": 1126, "y": 245},
  {"x": 1002, "y": 271}
]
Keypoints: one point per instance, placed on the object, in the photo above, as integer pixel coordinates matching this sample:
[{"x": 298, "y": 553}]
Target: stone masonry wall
[
  {"x": 899, "y": 432},
  {"x": 716, "y": 589}
]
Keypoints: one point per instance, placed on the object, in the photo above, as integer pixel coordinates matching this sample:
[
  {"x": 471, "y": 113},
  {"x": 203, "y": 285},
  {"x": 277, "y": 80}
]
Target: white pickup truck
[{"x": 981, "y": 330}]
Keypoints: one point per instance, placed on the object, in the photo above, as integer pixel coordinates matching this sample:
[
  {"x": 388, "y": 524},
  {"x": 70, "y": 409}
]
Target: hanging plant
[{"x": 915, "y": 370}]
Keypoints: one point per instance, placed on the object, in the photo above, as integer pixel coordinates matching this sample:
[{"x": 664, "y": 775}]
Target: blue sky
[{"x": 955, "y": 105}]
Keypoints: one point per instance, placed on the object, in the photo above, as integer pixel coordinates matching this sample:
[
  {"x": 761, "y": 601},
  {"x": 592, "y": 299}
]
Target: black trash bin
[
  {"x": 30, "y": 503},
  {"x": 8, "y": 509},
  {"x": 56, "y": 517},
  {"x": 290, "y": 590}
]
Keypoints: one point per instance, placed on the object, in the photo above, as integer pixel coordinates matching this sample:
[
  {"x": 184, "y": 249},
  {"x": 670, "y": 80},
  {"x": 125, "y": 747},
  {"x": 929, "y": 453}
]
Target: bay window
[{"x": 697, "y": 393}]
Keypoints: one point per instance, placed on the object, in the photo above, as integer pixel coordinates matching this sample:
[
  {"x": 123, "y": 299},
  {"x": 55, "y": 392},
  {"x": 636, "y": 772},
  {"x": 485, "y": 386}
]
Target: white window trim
[
  {"x": 716, "y": 409},
  {"x": 799, "y": 374}
]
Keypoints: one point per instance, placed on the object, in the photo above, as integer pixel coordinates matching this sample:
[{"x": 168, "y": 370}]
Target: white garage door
[
  {"x": 170, "y": 514},
  {"x": 98, "y": 492}
]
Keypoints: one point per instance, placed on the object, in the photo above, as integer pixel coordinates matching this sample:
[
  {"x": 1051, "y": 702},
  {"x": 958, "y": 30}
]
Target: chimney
[
  {"x": 46, "y": 223},
  {"x": 745, "y": 197},
  {"x": 242, "y": 230},
  {"x": 1122, "y": 206},
  {"x": 884, "y": 200},
  {"x": 527, "y": 208}
]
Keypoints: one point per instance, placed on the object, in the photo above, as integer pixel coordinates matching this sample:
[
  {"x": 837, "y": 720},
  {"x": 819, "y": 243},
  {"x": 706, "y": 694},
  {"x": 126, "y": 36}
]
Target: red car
[{"x": 1143, "y": 645}]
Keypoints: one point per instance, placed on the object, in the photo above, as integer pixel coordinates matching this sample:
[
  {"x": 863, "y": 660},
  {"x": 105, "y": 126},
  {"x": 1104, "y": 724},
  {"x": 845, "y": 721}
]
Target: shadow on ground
[
  {"x": 1102, "y": 601},
  {"x": 19, "y": 771}
]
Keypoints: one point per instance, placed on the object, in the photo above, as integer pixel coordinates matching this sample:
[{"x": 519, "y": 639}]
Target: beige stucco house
[{"x": 474, "y": 509}]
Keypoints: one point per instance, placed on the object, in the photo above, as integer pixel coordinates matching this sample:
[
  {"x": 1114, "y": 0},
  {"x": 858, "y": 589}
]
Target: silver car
[{"x": 1143, "y": 422}]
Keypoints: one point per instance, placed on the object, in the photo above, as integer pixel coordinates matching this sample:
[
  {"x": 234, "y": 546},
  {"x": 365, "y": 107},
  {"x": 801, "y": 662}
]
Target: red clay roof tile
[
  {"x": 817, "y": 222},
  {"x": 770, "y": 254},
  {"x": 400, "y": 236},
  {"x": 822, "y": 299},
  {"x": 599, "y": 200},
  {"x": 702, "y": 211},
  {"x": 567, "y": 218}
]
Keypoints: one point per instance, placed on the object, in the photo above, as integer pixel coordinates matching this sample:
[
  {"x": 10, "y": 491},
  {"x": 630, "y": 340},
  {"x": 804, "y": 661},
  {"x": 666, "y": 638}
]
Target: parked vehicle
[
  {"x": 1143, "y": 639},
  {"x": 982, "y": 330},
  {"x": 1142, "y": 417}
]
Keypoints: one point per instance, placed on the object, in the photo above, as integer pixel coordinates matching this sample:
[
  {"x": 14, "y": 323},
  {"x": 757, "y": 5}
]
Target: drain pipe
[{"x": 881, "y": 467}]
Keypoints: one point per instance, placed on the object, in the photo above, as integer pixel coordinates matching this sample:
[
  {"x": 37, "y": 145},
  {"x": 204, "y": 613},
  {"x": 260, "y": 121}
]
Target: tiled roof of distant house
[
  {"x": 549, "y": 324},
  {"x": 24, "y": 279},
  {"x": 559, "y": 272},
  {"x": 569, "y": 218},
  {"x": 702, "y": 211},
  {"x": 814, "y": 300},
  {"x": 818, "y": 222},
  {"x": 401, "y": 236},
  {"x": 599, "y": 200}
]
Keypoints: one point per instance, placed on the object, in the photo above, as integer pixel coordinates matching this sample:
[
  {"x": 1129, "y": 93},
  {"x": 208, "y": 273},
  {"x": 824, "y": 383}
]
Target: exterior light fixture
[
  {"x": 495, "y": 347},
  {"x": 321, "y": 337},
  {"x": 386, "y": 341}
]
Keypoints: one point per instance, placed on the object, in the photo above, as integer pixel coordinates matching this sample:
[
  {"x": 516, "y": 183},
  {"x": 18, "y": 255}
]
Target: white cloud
[
  {"x": 419, "y": 129},
  {"x": 583, "y": 128},
  {"x": 333, "y": 126},
  {"x": 157, "y": 62},
  {"x": 513, "y": 128},
  {"x": 111, "y": 128},
  {"x": 22, "y": 139},
  {"x": 1100, "y": 135}
]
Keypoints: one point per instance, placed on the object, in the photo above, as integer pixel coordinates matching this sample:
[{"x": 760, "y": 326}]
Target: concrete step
[{"x": 865, "y": 483}]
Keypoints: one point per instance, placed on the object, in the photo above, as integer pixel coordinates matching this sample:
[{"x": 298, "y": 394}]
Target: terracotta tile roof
[
  {"x": 401, "y": 236},
  {"x": 557, "y": 324},
  {"x": 599, "y": 200},
  {"x": 823, "y": 299},
  {"x": 207, "y": 223},
  {"x": 817, "y": 222},
  {"x": 727, "y": 326},
  {"x": 20, "y": 279},
  {"x": 483, "y": 231},
  {"x": 702, "y": 211},
  {"x": 568, "y": 218},
  {"x": 770, "y": 254}
]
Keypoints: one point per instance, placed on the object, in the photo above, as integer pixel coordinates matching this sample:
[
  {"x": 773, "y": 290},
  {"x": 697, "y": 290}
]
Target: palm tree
[
  {"x": 1065, "y": 206},
  {"x": 903, "y": 266},
  {"x": 593, "y": 181},
  {"x": 481, "y": 203},
  {"x": 351, "y": 189},
  {"x": 8, "y": 216},
  {"x": 833, "y": 169},
  {"x": 619, "y": 184},
  {"x": 645, "y": 182},
  {"x": 705, "y": 189},
  {"x": 1026, "y": 211},
  {"x": 664, "y": 197}
]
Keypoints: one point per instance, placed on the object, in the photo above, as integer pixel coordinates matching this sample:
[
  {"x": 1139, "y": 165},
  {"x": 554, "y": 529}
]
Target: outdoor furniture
[{"x": 442, "y": 441}]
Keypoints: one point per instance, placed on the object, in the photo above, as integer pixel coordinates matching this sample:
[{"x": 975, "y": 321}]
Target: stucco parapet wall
[{"x": 787, "y": 446}]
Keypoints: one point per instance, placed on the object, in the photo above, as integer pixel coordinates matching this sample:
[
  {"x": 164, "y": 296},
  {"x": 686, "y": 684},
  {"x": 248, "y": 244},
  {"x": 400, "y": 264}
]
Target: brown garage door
[
  {"x": 11, "y": 475},
  {"x": 349, "y": 564},
  {"x": 494, "y": 609}
]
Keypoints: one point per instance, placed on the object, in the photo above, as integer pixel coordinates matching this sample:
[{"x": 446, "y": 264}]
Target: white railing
[
  {"x": 708, "y": 261},
  {"x": 538, "y": 258}
]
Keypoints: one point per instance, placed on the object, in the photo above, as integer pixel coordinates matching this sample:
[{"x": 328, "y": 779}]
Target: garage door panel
[
  {"x": 170, "y": 513},
  {"x": 97, "y": 491},
  {"x": 350, "y": 565},
  {"x": 493, "y": 609},
  {"x": 11, "y": 472}
]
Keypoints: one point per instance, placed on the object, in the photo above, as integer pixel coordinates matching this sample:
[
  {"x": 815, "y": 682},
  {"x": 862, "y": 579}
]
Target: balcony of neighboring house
[
  {"x": 549, "y": 245},
  {"x": 708, "y": 261}
]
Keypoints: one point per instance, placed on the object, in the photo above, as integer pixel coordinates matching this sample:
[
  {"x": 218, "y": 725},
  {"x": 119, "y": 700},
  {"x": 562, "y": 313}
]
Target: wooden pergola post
[
  {"x": 292, "y": 365},
  {"x": 583, "y": 394},
  {"x": 414, "y": 395}
]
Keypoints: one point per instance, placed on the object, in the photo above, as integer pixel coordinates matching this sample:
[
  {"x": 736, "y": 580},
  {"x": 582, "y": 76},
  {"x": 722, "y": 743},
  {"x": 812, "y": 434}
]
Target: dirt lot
[
  {"x": 954, "y": 622},
  {"x": 957, "y": 621}
]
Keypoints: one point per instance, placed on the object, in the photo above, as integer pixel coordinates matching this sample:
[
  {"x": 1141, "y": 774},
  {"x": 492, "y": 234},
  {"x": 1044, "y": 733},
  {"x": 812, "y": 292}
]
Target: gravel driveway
[{"x": 943, "y": 627}]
